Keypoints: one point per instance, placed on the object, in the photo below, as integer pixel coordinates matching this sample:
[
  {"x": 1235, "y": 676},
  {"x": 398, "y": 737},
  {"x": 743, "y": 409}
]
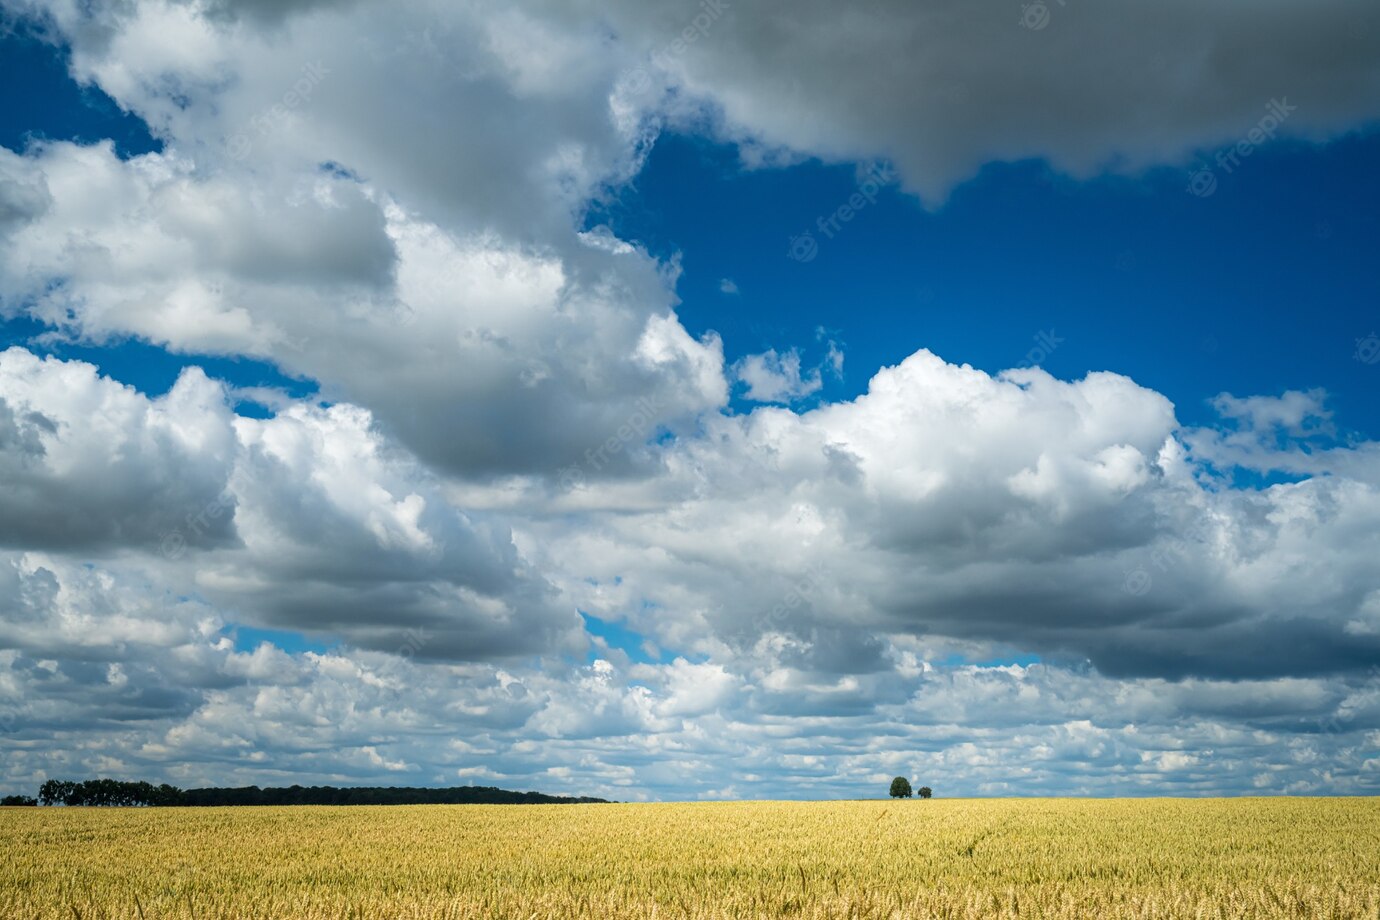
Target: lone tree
[
  {"x": 924, "y": 792},
  {"x": 900, "y": 788}
]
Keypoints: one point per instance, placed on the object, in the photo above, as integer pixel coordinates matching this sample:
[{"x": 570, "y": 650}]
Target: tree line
[{"x": 110, "y": 792}]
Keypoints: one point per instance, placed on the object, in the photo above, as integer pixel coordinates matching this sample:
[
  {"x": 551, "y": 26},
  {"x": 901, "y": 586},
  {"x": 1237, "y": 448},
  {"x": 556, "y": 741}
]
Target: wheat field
[{"x": 1066, "y": 858}]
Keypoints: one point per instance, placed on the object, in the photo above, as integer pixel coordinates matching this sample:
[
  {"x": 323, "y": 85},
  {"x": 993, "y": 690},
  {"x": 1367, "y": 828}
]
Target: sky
[{"x": 658, "y": 400}]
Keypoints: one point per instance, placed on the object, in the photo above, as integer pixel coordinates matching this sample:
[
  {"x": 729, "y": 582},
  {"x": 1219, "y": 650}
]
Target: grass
[{"x": 1066, "y": 858}]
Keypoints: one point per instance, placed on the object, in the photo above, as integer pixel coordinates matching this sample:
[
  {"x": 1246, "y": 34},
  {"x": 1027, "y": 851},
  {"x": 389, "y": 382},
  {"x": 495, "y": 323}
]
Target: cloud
[
  {"x": 1292, "y": 411},
  {"x": 1059, "y": 517},
  {"x": 283, "y": 222},
  {"x": 941, "y": 88},
  {"x": 937, "y": 88},
  {"x": 307, "y": 521},
  {"x": 728, "y": 286},
  {"x": 346, "y": 535},
  {"x": 90, "y": 465},
  {"x": 834, "y": 359},
  {"x": 773, "y": 377},
  {"x": 1292, "y": 434},
  {"x": 329, "y": 282}
]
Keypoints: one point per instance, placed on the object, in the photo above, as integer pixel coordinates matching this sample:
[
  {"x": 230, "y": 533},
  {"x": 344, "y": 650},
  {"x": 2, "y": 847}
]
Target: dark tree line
[
  {"x": 107, "y": 792},
  {"x": 113, "y": 792},
  {"x": 376, "y": 795}
]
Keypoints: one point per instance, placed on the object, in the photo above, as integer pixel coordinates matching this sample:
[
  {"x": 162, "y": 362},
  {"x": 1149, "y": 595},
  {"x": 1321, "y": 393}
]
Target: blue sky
[
  {"x": 927, "y": 391},
  {"x": 1263, "y": 286},
  {"x": 42, "y": 101}
]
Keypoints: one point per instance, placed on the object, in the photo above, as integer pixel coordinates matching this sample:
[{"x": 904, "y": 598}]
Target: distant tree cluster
[
  {"x": 18, "y": 800},
  {"x": 900, "y": 789},
  {"x": 109, "y": 792}
]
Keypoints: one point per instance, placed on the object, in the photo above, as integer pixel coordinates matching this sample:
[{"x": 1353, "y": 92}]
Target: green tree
[
  {"x": 18, "y": 800},
  {"x": 924, "y": 792},
  {"x": 55, "y": 790},
  {"x": 900, "y": 788}
]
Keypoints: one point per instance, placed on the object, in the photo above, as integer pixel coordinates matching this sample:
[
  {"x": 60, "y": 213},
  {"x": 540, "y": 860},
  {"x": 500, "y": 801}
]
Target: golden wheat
[{"x": 1065, "y": 858}]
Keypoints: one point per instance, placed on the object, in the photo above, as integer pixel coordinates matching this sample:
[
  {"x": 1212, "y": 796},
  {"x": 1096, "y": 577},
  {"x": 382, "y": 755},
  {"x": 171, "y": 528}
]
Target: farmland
[{"x": 941, "y": 858}]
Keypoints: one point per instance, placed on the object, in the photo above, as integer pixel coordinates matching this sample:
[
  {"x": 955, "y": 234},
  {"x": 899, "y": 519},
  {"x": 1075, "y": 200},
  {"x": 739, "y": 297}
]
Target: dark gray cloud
[{"x": 942, "y": 87}]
